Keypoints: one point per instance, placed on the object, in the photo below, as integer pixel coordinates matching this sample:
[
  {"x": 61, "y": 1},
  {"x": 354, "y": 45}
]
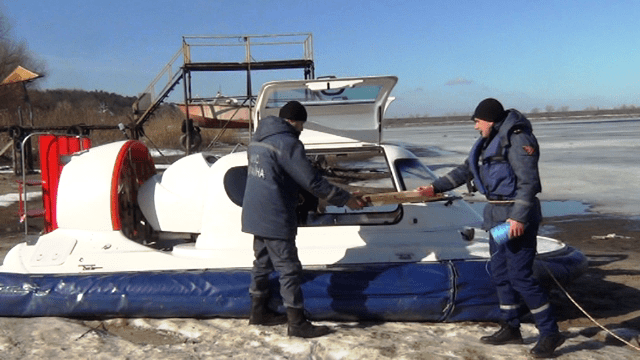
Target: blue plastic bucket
[{"x": 500, "y": 233}]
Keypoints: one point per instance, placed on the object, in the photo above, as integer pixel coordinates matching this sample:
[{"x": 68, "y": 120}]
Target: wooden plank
[
  {"x": 399, "y": 198},
  {"x": 6, "y": 147}
]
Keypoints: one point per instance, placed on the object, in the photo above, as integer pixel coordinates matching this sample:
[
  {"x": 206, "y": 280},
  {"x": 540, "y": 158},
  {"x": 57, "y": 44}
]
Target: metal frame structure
[{"x": 151, "y": 99}]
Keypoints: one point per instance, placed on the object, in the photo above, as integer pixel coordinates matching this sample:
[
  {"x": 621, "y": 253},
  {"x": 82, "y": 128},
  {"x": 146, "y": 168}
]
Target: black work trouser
[{"x": 282, "y": 256}]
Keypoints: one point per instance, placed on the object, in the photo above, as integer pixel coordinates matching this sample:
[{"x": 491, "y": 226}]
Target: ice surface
[{"x": 594, "y": 162}]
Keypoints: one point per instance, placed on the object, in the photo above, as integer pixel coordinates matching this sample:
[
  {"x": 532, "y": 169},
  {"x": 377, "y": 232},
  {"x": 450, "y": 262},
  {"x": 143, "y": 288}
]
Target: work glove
[{"x": 426, "y": 191}]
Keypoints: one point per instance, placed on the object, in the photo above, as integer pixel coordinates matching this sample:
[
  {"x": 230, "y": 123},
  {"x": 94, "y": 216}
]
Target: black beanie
[
  {"x": 489, "y": 110},
  {"x": 293, "y": 110}
]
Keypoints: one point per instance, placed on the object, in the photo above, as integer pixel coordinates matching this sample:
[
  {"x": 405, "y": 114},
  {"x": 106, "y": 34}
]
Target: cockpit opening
[{"x": 363, "y": 171}]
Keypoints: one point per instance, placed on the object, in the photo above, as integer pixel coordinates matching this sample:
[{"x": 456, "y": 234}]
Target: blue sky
[{"x": 448, "y": 56}]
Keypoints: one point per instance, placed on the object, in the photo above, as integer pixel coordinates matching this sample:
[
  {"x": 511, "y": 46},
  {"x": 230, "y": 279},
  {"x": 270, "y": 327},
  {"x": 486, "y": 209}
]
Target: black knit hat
[
  {"x": 293, "y": 110},
  {"x": 489, "y": 110}
]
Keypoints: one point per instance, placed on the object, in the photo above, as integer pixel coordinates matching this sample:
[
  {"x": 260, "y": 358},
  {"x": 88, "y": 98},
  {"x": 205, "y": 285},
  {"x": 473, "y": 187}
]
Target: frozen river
[{"x": 594, "y": 162}]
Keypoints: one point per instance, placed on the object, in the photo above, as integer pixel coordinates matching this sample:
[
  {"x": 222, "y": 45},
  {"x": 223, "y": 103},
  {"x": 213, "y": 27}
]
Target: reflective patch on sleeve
[{"x": 450, "y": 179}]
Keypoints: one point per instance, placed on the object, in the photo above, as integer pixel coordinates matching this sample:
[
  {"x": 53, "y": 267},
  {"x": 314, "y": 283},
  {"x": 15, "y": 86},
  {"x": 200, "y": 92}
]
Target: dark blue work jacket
[
  {"x": 504, "y": 167},
  {"x": 278, "y": 168}
]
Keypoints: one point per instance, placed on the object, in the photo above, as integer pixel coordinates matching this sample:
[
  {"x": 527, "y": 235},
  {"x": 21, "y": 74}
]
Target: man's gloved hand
[
  {"x": 355, "y": 202},
  {"x": 426, "y": 191}
]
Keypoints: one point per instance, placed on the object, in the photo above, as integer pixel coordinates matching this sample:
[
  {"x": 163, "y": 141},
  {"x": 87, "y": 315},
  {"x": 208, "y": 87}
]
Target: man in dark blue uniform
[
  {"x": 278, "y": 169},
  {"x": 503, "y": 165}
]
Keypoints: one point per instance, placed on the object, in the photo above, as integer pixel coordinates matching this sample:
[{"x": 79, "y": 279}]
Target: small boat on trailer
[
  {"x": 130, "y": 242},
  {"x": 221, "y": 112}
]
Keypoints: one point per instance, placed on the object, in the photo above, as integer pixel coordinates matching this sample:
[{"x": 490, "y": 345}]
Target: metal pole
[
  {"x": 186, "y": 77},
  {"x": 248, "y": 61},
  {"x": 24, "y": 182},
  {"x": 20, "y": 116},
  {"x": 18, "y": 161},
  {"x": 27, "y": 101}
]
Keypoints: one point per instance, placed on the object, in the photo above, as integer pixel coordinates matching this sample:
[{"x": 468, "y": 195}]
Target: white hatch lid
[{"x": 340, "y": 110}]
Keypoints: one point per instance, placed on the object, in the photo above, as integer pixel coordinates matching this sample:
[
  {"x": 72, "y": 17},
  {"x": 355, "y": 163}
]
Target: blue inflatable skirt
[{"x": 445, "y": 291}]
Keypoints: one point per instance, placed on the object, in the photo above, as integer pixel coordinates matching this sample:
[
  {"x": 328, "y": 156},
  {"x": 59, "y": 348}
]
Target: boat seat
[{"x": 179, "y": 190}]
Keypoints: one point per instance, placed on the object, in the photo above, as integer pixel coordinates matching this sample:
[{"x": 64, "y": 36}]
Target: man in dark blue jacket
[
  {"x": 503, "y": 165},
  {"x": 278, "y": 168}
]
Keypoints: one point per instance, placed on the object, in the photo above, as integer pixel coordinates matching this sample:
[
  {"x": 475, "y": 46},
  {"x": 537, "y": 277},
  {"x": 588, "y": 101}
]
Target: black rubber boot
[
  {"x": 262, "y": 315},
  {"x": 299, "y": 326},
  {"x": 547, "y": 345},
  {"x": 506, "y": 335}
]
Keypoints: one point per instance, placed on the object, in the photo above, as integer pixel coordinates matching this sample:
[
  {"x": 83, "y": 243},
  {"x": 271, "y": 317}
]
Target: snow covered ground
[{"x": 56, "y": 338}]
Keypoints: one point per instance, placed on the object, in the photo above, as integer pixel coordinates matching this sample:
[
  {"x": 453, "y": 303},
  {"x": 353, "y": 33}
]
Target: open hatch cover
[{"x": 340, "y": 110}]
